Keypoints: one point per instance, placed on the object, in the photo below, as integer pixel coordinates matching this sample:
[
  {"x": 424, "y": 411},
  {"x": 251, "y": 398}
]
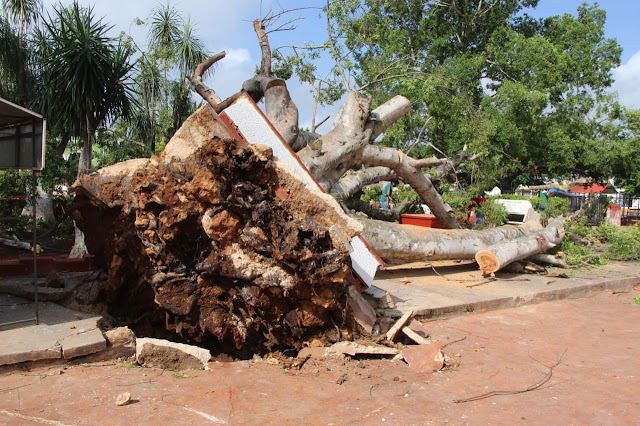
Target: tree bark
[
  {"x": 391, "y": 215},
  {"x": 409, "y": 170},
  {"x": 397, "y": 243},
  {"x": 44, "y": 206},
  {"x": 559, "y": 260},
  {"x": 352, "y": 183},
  {"x": 499, "y": 255}
]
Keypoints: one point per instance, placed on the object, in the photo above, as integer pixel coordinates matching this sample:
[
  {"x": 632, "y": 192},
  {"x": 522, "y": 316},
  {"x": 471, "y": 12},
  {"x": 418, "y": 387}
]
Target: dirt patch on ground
[{"x": 508, "y": 350}]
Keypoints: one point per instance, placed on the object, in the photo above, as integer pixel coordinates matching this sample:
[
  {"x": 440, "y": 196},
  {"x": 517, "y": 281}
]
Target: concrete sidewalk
[
  {"x": 446, "y": 289},
  {"x": 61, "y": 334}
]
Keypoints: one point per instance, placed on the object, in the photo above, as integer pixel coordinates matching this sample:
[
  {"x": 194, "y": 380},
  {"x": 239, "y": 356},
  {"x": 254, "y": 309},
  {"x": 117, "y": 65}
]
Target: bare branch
[
  {"x": 321, "y": 122},
  {"x": 205, "y": 65},
  {"x": 404, "y": 166},
  {"x": 423, "y": 163},
  {"x": 265, "y": 64}
]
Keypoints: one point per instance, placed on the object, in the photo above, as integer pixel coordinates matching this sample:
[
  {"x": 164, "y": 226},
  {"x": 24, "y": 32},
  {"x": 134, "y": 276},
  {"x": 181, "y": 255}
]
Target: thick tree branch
[
  {"x": 196, "y": 81},
  {"x": 352, "y": 183},
  {"x": 388, "y": 113},
  {"x": 404, "y": 167},
  {"x": 407, "y": 243},
  {"x": 392, "y": 215}
]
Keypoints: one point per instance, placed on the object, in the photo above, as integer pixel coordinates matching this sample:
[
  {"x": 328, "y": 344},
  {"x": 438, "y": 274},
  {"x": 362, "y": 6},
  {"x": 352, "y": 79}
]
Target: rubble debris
[
  {"x": 379, "y": 298},
  {"x": 424, "y": 358},
  {"x": 84, "y": 341},
  {"x": 120, "y": 336},
  {"x": 353, "y": 349},
  {"x": 361, "y": 310},
  {"x": 415, "y": 336},
  {"x": 392, "y": 333},
  {"x": 158, "y": 353},
  {"x": 123, "y": 399}
]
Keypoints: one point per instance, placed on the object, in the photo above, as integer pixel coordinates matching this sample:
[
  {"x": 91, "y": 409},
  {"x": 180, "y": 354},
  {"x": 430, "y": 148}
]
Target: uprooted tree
[{"x": 221, "y": 244}]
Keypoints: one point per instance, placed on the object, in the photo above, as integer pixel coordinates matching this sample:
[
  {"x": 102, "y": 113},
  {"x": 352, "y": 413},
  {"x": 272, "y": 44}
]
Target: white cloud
[
  {"x": 627, "y": 82},
  {"x": 229, "y": 74}
]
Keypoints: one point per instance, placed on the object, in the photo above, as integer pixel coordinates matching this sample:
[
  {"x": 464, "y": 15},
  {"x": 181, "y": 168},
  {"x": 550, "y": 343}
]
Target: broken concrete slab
[
  {"x": 26, "y": 341},
  {"x": 415, "y": 336},
  {"x": 362, "y": 311},
  {"x": 353, "y": 349},
  {"x": 83, "y": 342},
  {"x": 424, "y": 358},
  {"x": 159, "y": 353},
  {"x": 379, "y": 298},
  {"x": 404, "y": 319}
]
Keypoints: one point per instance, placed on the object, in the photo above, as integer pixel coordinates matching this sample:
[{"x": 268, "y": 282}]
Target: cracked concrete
[{"x": 62, "y": 333}]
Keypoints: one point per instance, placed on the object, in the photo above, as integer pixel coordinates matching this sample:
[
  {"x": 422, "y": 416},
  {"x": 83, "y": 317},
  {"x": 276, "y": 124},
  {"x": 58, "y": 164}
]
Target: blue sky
[
  {"x": 226, "y": 25},
  {"x": 622, "y": 19}
]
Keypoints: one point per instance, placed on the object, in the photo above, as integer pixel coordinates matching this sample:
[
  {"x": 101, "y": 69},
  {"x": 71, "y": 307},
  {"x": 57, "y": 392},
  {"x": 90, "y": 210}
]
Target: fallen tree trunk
[
  {"x": 215, "y": 242},
  {"x": 397, "y": 243},
  {"x": 499, "y": 255},
  {"x": 16, "y": 243}
]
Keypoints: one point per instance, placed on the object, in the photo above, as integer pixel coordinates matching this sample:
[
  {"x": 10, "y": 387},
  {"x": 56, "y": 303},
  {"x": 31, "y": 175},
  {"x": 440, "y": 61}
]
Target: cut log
[
  {"x": 215, "y": 242},
  {"x": 497, "y": 256}
]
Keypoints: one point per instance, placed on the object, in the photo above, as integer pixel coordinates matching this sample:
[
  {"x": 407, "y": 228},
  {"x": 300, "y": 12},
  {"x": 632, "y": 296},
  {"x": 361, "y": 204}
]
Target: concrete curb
[{"x": 618, "y": 285}]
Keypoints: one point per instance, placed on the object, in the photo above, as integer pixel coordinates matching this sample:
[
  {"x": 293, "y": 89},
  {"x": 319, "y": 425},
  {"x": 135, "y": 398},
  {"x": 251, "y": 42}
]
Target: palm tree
[
  {"x": 85, "y": 78},
  {"x": 23, "y": 12},
  {"x": 16, "y": 62},
  {"x": 190, "y": 49},
  {"x": 164, "y": 32},
  {"x": 87, "y": 73}
]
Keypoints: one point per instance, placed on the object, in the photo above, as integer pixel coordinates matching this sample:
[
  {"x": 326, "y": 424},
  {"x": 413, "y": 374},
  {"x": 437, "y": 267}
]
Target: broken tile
[
  {"x": 353, "y": 349},
  {"x": 363, "y": 313},
  {"x": 424, "y": 358}
]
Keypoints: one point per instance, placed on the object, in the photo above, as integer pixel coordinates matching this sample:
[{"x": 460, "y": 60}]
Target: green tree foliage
[
  {"x": 529, "y": 94},
  {"x": 164, "y": 101},
  {"x": 85, "y": 73}
]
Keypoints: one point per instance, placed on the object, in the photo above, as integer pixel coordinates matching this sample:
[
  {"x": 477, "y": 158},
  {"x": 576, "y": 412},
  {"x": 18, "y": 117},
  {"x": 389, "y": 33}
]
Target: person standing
[{"x": 386, "y": 196}]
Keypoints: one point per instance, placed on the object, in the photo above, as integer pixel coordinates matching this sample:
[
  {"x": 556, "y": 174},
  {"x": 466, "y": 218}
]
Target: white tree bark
[
  {"x": 44, "y": 206},
  {"x": 388, "y": 113},
  {"x": 409, "y": 170},
  {"x": 499, "y": 255},
  {"x": 407, "y": 243}
]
